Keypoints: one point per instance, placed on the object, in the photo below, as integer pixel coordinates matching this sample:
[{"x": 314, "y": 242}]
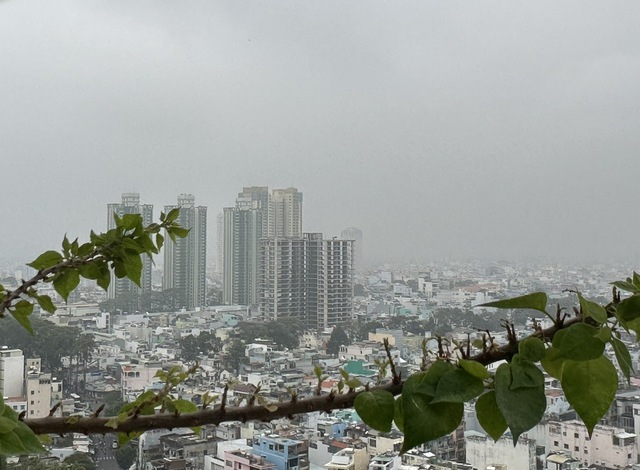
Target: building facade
[
  {"x": 130, "y": 205},
  {"x": 256, "y": 215},
  {"x": 185, "y": 260},
  {"x": 355, "y": 234},
  {"x": 11, "y": 372},
  {"x": 308, "y": 278}
]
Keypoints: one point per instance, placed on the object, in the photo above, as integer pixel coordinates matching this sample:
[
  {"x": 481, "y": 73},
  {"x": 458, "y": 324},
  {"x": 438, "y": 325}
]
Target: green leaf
[
  {"x": 185, "y": 406},
  {"x": 623, "y": 357},
  {"x": 21, "y": 312},
  {"x": 604, "y": 334},
  {"x": 626, "y": 286},
  {"x": 134, "y": 268},
  {"x": 429, "y": 384},
  {"x": 172, "y": 215},
  {"x": 535, "y": 301},
  {"x": 628, "y": 313},
  {"x": 579, "y": 342},
  {"x": 398, "y": 414},
  {"x": 553, "y": 362},
  {"x": 525, "y": 374},
  {"x": 7, "y": 425},
  {"x": 592, "y": 309},
  {"x": 590, "y": 387},
  {"x": 159, "y": 240},
  {"x": 46, "y": 260},
  {"x": 20, "y": 441},
  {"x": 532, "y": 349},
  {"x": 105, "y": 276},
  {"x": 474, "y": 368},
  {"x": 489, "y": 415},
  {"x": 46, "y": 303},
  {"x": 522, "y": 408},
  {"x": 457, "y": 386},
  {"x": 90, "y": 270},
  {"x": 422, "y": 421},
  {"x": 146, "y": 244},
  {"x": 66, "y": 281},
  {"x": 85, "y": 249},
  {"x": 179, "y": 231},
  {"x": 131, "y": 221},
  {"x": 376, "y": 409}
]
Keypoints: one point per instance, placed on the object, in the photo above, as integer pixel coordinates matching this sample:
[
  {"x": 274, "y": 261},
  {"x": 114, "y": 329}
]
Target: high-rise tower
[
  {"x": 285, "y": 213},
  {"x": 185, "y": 260},
  {"x": 256, "y": 215},
  {"x": 308, "y": 278},
  {"x": 355, "y": 234},
  {"x": 130, "y": 205}
]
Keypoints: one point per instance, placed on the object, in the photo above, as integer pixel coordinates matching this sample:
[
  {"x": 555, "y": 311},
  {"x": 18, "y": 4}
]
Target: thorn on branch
[
  {"x": 98, "y": 411},
  {"x": 394, "y": 372},
  {"x": 223, "y": 404},
  {"x": 53, "y": 410}
]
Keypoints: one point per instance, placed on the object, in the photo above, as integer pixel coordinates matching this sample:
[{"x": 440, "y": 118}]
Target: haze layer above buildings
[{"x": 494, "y": 131}]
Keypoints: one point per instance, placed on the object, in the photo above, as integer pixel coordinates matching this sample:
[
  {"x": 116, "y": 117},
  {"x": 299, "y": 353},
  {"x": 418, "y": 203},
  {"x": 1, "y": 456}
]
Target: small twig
[
  {"x": 394, "y": 373},
  {"x": 98, "y": 411},
  {"x": 53, "y": 410},
  {"x": 223, "y": 403}
]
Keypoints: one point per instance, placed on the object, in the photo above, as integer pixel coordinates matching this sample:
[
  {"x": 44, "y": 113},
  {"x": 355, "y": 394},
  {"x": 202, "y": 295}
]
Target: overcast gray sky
[{"x": 466, "y": 129}]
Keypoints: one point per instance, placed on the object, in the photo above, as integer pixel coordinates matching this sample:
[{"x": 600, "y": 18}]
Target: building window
[
  {"x": 32, "y": 392},
  {"x": 566, "y": 446},
  {"x": 228, "y": 463},
  {"x": 576, "y": 449},
  {"x": 576, "y": 435},
  {"x": 556, "y": 443}
]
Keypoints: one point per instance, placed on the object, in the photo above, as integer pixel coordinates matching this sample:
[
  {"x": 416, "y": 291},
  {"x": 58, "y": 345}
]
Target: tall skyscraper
[
  {"x": 307, "y": 278},
  {"x": 220, "y": 244},
  {"x": 285, "y": 213},
  {"x": 185, "y": 260},
  {"x": 130, "y": 205},
  {"x": 256, "y": 215},
  {"x": 355, "y": 234}
]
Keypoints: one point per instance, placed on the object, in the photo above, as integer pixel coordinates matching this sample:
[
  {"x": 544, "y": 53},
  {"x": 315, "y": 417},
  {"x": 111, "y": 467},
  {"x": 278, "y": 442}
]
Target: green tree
[
  {"x": 338, "y": 338},
  {"x": 80, "y": 460},
  {"x": 126, "y": 456}
]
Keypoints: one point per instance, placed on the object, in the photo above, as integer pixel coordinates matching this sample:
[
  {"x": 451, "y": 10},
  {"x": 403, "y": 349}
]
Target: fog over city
[{"x": 441, "y": 129}]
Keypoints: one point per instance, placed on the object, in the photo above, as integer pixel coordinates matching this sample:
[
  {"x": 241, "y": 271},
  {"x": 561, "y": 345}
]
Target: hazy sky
[{"x": 467, "y": 129}]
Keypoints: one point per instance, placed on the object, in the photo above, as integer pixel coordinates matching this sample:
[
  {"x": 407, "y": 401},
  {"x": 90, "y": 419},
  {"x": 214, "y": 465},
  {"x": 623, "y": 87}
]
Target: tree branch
[{"x": 222, "y": 413}]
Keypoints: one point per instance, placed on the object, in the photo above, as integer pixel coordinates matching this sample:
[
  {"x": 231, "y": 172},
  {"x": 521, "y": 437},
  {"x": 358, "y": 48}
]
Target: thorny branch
[{"x": 97, "y": 425}]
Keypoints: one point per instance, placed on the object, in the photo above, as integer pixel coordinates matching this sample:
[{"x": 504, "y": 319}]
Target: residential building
[
  {"x": 309, "y": 278},
  {"x": 284, "y": 453},
  {"x": 608, "y": 446},
  {"x": 185, "y": 260},
  {"x": 355, "y": 234},
  {"x": 130, "y": 205},
  {"x": 255, "y": 215},
  {"x": 11, "y": 372},
  {"x": 285, "y": 213},
  {"x": 349, "y": 459},
  {"x": 239, "y": 460},
  {"x": 38, "y": 394},
  {"x": 483, "y": 452}
]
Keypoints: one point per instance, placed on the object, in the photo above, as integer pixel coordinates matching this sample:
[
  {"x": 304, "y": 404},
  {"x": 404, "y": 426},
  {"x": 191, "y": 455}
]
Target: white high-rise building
[
  {"x": 355, "y": 234},
  {"x": 130, "y": 205},
  {"x": 285, "y": 213},
  {"x": 308, "y": 278},
  {"x": 185, "y": 261},
  {"x": 11, "y": 372},
  {"x": 256, "y": 215}
]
